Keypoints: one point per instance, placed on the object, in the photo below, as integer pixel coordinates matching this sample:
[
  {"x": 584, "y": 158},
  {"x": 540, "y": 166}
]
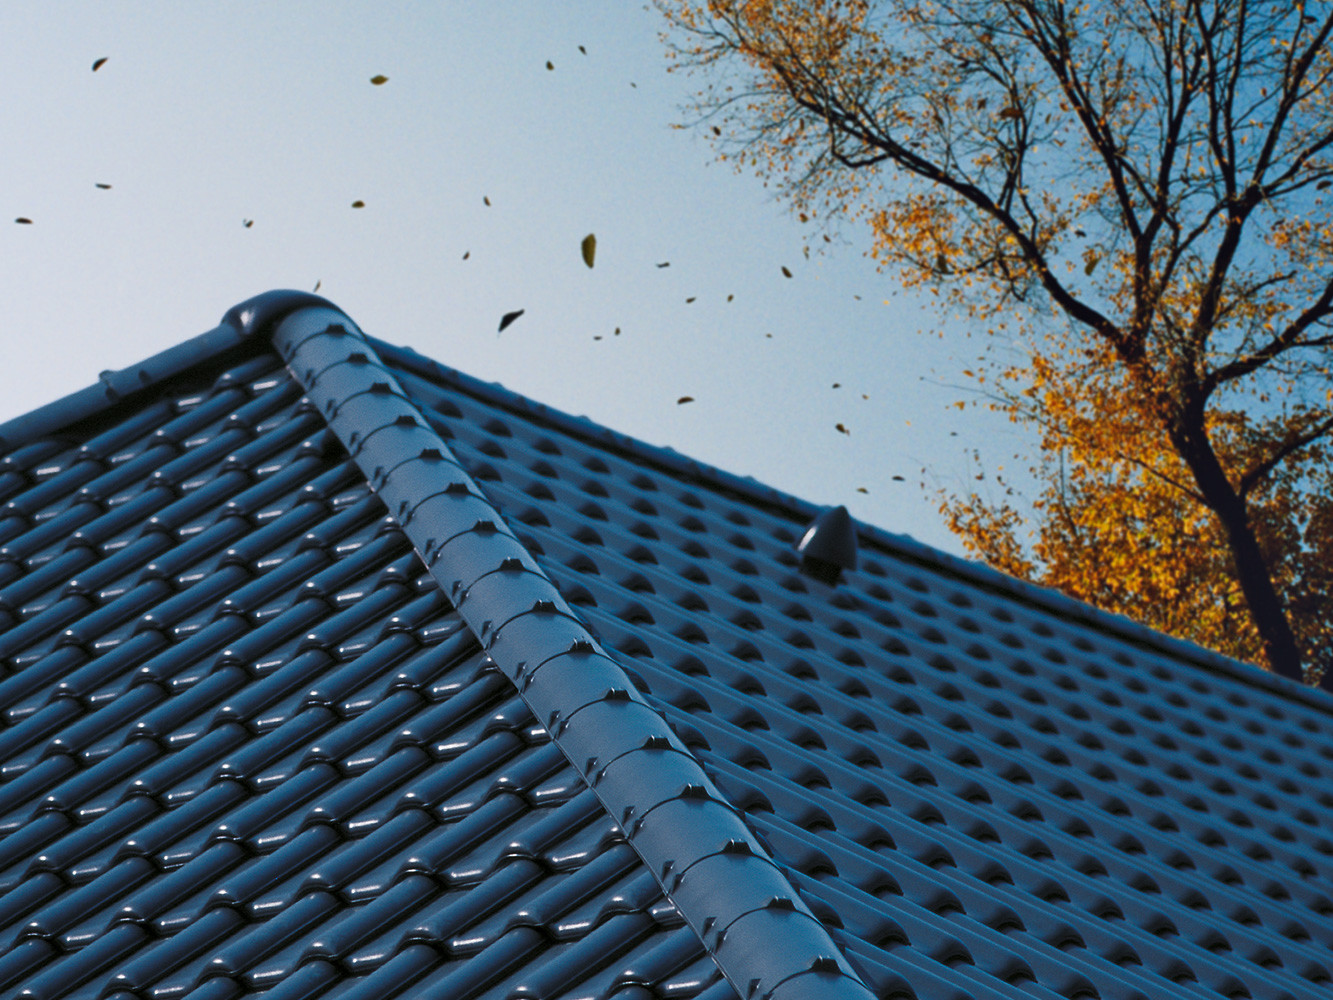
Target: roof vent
[{"x": 829, "y": 545}]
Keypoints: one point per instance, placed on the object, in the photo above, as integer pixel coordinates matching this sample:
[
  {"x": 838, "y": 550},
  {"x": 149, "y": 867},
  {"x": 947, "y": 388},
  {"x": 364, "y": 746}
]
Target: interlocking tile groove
[{"x": 674, "y": 815}]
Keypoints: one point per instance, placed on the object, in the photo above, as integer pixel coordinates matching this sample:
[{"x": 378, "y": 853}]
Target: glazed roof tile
[{"x": 359, "y": 677}]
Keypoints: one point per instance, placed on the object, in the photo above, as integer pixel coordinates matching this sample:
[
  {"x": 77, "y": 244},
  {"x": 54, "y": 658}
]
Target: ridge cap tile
[{"x": 316, "y": 338}]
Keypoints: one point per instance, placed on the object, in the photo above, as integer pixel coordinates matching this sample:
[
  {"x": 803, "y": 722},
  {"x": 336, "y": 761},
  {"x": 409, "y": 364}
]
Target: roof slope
[
  {"x": 249, "y": 745},
  {"x": 254, "y": 741}
]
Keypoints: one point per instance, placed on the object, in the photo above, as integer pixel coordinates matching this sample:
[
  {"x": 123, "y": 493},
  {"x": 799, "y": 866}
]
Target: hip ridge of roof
[{"x": 765, "y": 939}]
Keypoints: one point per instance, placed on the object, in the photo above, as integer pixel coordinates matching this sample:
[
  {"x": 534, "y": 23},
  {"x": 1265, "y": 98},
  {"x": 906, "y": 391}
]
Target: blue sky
[{"x": 208, "y": 115}]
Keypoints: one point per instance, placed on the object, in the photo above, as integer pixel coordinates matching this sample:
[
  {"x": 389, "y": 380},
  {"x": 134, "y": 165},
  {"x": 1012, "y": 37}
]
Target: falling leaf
[
  {"x": 634, "y": 85},
  {"x": 786, "y": 273},
  {"x": 617, "y": 331},
  {"x": 665, "y": 263},
  {"x": 583, "y": 50},
  {"x": 318, "y": 282},
  {"x": 486, "y": 201},
  {"x": 596, "y": 336},
  {"x": 862, "y": 489},
  {"x": 1322, "y": 185},
  {"x": 23, "y": 221},
  {"x": 467, "y": 254},
  {"x": 1011, "y": 113},
  {"x": 549, "y": 64},
  {"x": 589, "y": 249},
  {"x": 1091, "y": 265},
  {"x": 379, "y": 79},
  {"x": 716, "y": 130},
  {"x": 806, "y": 251},
  {"x": 857, "y": 297},
  {"x": 508, "y": 318},
  {"x": 358, "y": 204},
  {"x": 99, "y": 63},
  {"x": 730, "y": 297},
  {"x": 103, "y": 187},
  {"x": 842, "y": 429},
  {"x": 899, "y": 479},
  {"x": 247, "y": 223},
  {"x": 865, "y": 395},
  {"x": 837, "y": 385},
  {"x": 685, "y": 399},
  {"x": 1080, "y": 232},
  {"x": 691, "y": 299},
  {"x": 769, "y": 336}
]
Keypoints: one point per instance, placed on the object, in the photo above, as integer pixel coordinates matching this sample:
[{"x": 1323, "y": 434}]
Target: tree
[{"x": 1135, "y": 189}]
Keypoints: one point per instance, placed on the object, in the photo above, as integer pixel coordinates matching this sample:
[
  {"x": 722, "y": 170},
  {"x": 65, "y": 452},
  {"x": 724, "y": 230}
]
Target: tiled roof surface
[
  {"x": 248, "y": 746},
  {"x": 978, "y": 797},
  {"x": 253, "y": 742}
]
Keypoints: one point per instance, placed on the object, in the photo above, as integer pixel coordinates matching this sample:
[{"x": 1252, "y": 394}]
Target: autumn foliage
[{"x": 1135, "y": 192}]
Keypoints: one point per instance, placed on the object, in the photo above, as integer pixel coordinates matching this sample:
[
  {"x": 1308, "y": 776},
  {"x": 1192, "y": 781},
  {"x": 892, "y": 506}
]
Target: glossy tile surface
[
  {"x": 248, "y": 746},
  {"x": 979, "y": 797},
  {"x": 253, "y": 742}
]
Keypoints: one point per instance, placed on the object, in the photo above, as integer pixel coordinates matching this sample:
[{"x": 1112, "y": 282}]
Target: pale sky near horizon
[{"x": 206, "y": 116}]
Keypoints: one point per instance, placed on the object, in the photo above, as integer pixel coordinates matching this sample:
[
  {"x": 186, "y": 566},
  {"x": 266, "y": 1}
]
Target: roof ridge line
[
  {"x": 239, "y": 324},
  {"x": 903, "y": 546},
  {"x": 764, "y": 939}
]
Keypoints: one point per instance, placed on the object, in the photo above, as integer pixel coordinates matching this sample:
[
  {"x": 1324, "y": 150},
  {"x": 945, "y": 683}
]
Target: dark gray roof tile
[{"x": 511, "y": 706}]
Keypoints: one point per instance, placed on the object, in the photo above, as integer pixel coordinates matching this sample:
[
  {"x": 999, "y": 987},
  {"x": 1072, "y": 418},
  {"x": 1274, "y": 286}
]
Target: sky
[{"x": 236, "y": 138}]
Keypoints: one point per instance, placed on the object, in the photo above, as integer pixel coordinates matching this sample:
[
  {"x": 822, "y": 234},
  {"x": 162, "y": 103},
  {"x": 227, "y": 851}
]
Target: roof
[{"x": 329, "y": 671}]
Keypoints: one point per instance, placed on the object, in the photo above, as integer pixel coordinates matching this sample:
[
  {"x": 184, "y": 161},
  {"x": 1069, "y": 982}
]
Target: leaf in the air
[
  {"x": 899, "y": 479},
  {"x": 99, "y": 63},
  {"x": 1011, "y": 112},
  {"x": 22, "y": 221},
  {"x": 617, "y": 331},
  {"x": 589, "y": 249},
  {"x": 358, "y": 204},
  {"x": 583, "y": 50},
  {"x": 862, "y": 489},
  {"x": 685, "y": 399},
  {"x": 549, "y": 64},
  {"x": 786, "y": 273},
  {"x": 665, "y": 263},
  {"x": 103, "y": 187},
  {"x": 508, "y": 318},
  {"x": 318, "y": 282},
  {"x": 467, "y": 254},
  {"x": 842, "y": 429},
  {"x": 691, "y": 299},
  {"x": 247, "y": 223},
  {"x": 486, "y": 201},
  {"x": 730, "y": 297},
  {"x": 379, "y": 79}
]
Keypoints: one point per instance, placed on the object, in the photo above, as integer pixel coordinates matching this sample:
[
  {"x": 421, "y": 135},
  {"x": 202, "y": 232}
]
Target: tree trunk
[{"x": 1252, "y": 570}]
